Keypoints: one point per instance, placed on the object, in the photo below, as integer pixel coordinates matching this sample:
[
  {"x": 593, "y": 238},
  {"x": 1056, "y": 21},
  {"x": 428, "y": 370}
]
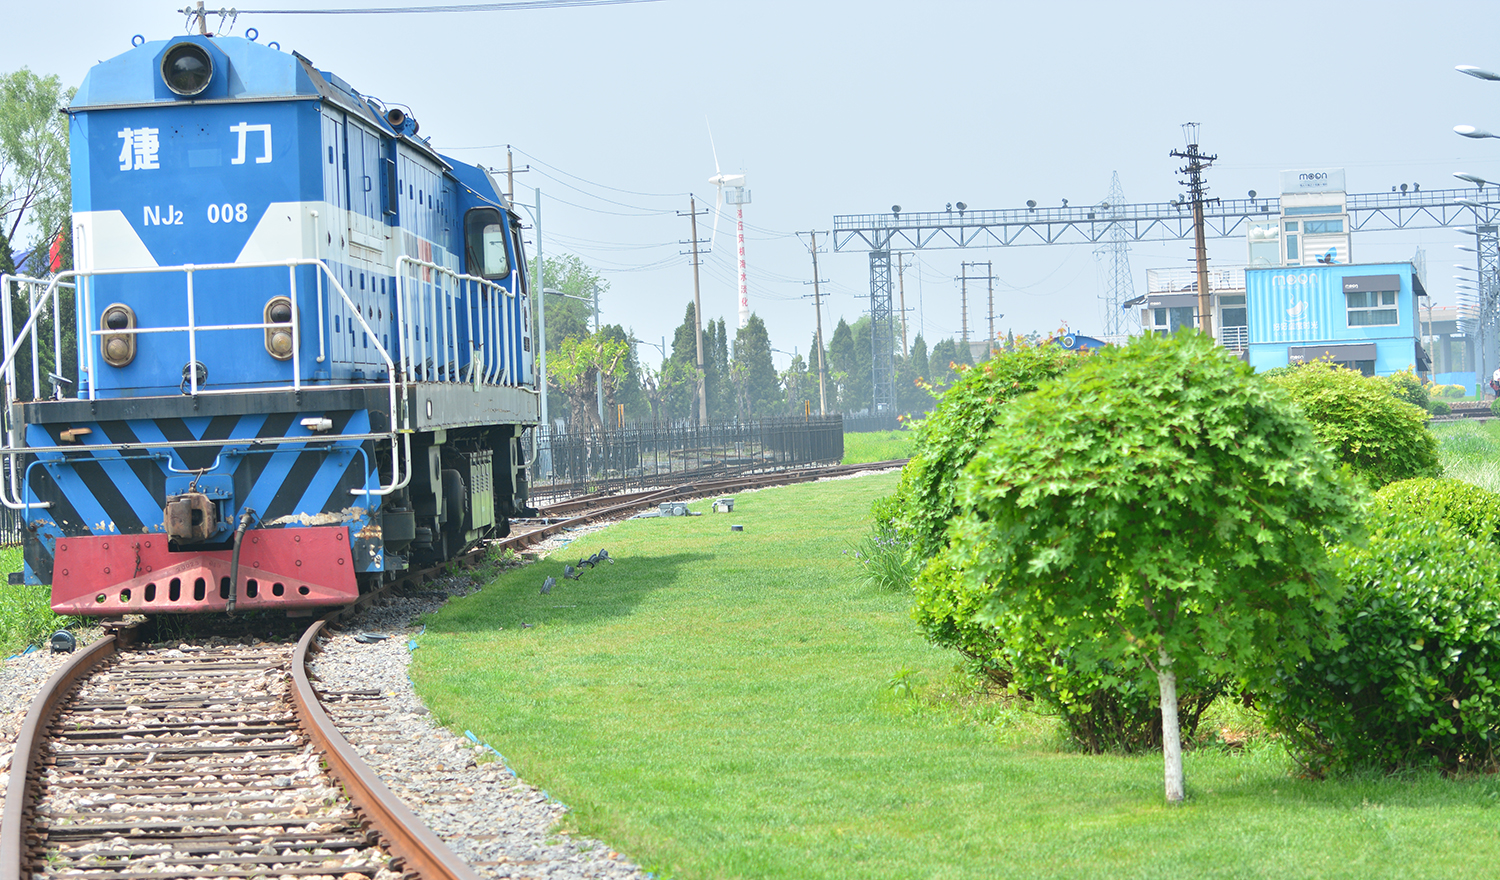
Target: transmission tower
[{"x": 1119, "y": 288}]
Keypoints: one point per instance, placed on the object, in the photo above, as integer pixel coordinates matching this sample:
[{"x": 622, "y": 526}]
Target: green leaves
[
  {"x": 1413, "y": 679},
  {"x": 1159, "y": 490},
  {"x": 1363, "y": 422}
]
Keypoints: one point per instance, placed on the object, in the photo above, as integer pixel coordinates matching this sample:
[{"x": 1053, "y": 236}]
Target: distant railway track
[{"x": 576, "y": 512}]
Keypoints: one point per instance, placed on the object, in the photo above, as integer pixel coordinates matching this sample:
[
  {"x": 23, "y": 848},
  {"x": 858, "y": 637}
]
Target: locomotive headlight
[
  {"x": 117, "y": 349},
  {"x": 279, "y": 338},
  {"x": 187, "y": 69}
]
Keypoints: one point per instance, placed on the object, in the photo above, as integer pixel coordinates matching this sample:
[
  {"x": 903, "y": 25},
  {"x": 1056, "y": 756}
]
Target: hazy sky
[{"x": 850, "y": 107}]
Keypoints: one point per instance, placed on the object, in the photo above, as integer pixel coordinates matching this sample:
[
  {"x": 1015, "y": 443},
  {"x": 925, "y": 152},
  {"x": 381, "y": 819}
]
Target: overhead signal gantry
[{"x": 1033, "y": 225}]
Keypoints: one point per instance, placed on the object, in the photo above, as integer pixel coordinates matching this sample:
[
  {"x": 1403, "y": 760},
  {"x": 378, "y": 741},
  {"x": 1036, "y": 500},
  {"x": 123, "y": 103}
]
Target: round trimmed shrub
[
  {"x": 1416, "y": 680},
  {"x": 1439, "y": 408},
  {"x": 1381, "y": 438},
  {"x": 1473, "y": 510}
]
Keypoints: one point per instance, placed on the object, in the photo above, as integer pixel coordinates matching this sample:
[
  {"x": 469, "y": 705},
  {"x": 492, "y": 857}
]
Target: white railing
[
  {"x": 1185, "y": 279},
  {"x": 1236, "y": 338},
  {"x": 13, "y": 446},
  {"x": 435, "y": 306}
]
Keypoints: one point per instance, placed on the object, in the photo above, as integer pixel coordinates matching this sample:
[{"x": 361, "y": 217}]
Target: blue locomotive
[{"x": 304, "y": 344}]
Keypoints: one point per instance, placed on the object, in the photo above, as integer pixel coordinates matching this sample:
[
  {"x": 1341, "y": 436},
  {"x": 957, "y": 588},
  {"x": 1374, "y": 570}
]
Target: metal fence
[{"x": 569, "y": 464}]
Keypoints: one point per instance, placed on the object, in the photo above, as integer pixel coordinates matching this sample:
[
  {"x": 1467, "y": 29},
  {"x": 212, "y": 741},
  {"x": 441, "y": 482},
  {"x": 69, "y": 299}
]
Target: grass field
[
  {"x": 868, "y": 446},
  {"x": 1470, "y": 451},
  {"x": 727, "y": 704}
]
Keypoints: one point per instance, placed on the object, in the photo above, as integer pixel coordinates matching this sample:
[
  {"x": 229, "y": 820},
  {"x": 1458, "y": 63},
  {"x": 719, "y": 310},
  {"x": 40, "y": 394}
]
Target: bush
[
  {"x": 1495, "y": 406},
  {"x": 945, "y": 608},
  {"x": 1158, "y": 508},
  {"x": 1104, "y": 707},
  {"x": 1450, "y": 392},
  {"x": 1381, "y": 438},
  {"x": 1416, "y": 681},
  {"x": 1407, "y": 387},
  {"x": 1469, "y": 508},
  {"x": 1439, "y": 408},
  {"x": 948, "y": 438}
]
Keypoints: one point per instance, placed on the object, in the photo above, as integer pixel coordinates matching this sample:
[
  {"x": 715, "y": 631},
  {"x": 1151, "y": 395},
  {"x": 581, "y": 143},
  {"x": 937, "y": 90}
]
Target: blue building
[{"x": 1361, "y": 316}]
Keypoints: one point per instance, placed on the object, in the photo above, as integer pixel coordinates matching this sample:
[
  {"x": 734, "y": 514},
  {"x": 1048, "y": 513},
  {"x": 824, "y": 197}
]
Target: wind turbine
[{"x": 739, "y": 197}]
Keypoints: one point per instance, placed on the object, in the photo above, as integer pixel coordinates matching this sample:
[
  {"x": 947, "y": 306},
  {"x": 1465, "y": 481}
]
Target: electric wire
[{"x": 504, "y": 6}]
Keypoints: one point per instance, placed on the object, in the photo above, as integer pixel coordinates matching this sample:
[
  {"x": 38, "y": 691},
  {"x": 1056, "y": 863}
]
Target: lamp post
[{"x": 1487, "y": 248}]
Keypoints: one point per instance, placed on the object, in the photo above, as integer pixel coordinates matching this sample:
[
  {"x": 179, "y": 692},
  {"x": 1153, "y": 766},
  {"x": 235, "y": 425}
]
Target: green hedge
[
  {"x": 1473, "y": 510},
  {"x": 1416, "y": 680},
  {"x": 1381, "y": 438}
]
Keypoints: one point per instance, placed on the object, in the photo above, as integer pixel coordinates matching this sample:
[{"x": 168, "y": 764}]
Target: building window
[
  {"x": 1170, "y": 320},
  {"x": 1291, "y": 247},
  {"x": 1232, "y": 311},
  {"x": 1371, "y": 308},
  {"x": 1323, "y": 227}
]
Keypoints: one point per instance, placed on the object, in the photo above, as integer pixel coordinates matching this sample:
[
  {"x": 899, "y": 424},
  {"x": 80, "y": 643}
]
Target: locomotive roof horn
[{"x": 401, "y": 121}]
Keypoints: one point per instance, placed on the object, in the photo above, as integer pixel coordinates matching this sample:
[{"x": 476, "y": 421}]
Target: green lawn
[
  {"x": 867, "y": 446},
  {"x": 721, "y": 704},
  {"x": 26, "y": 616},
  {"x": 1470, "y": 451}
]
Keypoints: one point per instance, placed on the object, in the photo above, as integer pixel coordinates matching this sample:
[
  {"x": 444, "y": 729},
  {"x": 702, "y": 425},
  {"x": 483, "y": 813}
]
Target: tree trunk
[{"x": 1171, "y": 736}]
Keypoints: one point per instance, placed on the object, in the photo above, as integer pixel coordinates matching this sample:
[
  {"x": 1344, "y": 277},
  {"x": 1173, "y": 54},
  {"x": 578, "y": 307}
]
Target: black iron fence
[{"x": 569, "y": 464}]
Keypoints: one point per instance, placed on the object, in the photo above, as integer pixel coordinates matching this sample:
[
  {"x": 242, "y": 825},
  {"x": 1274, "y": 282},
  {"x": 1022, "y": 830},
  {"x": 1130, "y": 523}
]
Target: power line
[{"x": 509, "y": 5}]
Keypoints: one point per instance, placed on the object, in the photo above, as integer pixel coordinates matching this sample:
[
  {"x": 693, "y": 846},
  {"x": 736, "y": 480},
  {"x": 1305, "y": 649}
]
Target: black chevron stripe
[
  {"x": 62, "y": 511},
  {"x": 147, "y": 471},
  {"x": 198, "y": 457},
  {"x": 87, "y": 468},
  {"x": 302, "y": 472},
  {"x": 251, "y": 466}
]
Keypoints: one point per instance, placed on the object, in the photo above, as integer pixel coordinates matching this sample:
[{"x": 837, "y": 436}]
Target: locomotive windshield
[{"x": 484, "y": 243}]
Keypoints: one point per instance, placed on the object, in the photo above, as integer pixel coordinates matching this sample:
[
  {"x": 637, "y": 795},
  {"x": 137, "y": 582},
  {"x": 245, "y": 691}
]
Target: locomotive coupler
[{"x": 190, "y": 517}]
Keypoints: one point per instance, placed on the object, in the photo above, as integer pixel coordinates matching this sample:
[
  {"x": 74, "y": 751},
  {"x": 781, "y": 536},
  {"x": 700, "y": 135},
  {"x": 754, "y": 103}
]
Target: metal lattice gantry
[
  {"x": 882, "y": 336},
  {"x": 1152, "y": 221},
  {"x": 1480, "y": 311}
]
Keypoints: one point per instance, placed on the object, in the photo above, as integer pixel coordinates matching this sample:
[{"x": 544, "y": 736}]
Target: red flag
[{"x": 54, "y": 254}]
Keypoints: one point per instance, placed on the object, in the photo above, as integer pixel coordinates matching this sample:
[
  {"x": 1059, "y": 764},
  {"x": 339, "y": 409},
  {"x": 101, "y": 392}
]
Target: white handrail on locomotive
[
  {"x": 6, "y": 326},
  {"x": 12, "y": 450},
  {"x": 492, "y": 328}
]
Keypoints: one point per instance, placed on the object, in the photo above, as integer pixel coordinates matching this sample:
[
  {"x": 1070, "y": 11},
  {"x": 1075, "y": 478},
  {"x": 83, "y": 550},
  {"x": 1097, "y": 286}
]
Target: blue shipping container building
[{"x": 1362, "y": 316}]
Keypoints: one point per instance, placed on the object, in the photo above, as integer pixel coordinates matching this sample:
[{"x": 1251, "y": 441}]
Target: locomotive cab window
[{"x": 484, "y": 243}]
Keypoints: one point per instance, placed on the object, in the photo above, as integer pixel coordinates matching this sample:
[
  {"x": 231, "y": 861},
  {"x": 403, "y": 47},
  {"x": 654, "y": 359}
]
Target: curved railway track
[
  {"x": 182, "y": 762},
  {"x": 197, "y": 760}
]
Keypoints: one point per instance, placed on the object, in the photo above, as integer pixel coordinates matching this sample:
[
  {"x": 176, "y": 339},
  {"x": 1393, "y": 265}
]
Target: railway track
[
  {"x": 194, "y": 761},
  {"x": 139, "y": 762}
]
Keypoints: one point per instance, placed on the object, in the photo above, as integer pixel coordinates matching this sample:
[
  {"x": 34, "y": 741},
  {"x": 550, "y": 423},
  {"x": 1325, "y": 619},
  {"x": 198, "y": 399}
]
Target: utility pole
[
  {"x": 1197, "y": 163},
  {"x": 540, "y": 284},
  {"x": 901, "y": 286},
  {"x": 510, "y": 176},
  {"x": 818, "y": 308},
  {"x": 698, "y": 314},
  {"x": 989, "y": 269}
]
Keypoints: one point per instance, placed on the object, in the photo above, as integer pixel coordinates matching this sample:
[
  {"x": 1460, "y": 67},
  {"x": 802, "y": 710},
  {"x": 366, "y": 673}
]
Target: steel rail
[
  {"x": 635, "y": 500},
  {"x": 39, "y": 718},
  {"x": 407, "y": 837}
]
